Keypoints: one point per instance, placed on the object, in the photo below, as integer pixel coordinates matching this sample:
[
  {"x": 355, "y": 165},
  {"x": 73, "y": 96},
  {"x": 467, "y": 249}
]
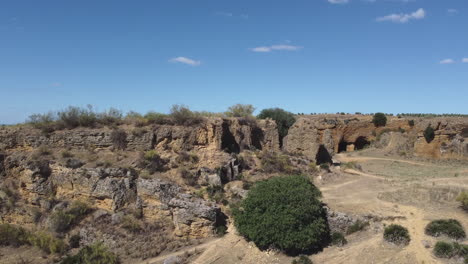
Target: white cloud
[
  {"x": 276, "y": 47},
  {"x": 338, "y": 1},
  {"x": 228, "y": 14},
  {"x": 465, "y": 60},
  {"x": 56, "y": 84},
  {"x": 185, "y": 60},
  {"x": 403, "y": 18},
  {"x": 447, "y": 61},
  {"x": 452, "y": 11}
]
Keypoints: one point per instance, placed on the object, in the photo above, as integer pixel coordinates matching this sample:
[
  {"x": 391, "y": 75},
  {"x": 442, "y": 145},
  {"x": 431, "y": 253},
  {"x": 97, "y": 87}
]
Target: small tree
[
  {"x": 379, "y": 119},
  {"x": 240, "y": 110},
  {"x": 284, "y": 213},
  {"x": 284, "y": 120},
  {"x": 429, "y": 134}
]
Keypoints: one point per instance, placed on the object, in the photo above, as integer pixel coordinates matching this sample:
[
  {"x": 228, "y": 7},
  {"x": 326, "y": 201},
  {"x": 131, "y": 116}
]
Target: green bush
[
  {"x": 325, "y": 166},
  {"x": 152, "y": 162},
  {"x": 284, "y": 120},
  {"x": 17, "y": 236},
  {"x": 44, "y": 122},
  {"x": 47, "y": 243},
  {"x": 188, "y": 177},
  {"x": 93, "y": 254},
  {"x": 132, "y": 224},
  {"x": 110, "y": 117},
  {"x": 284, "y": 213},
  {"x": 463, "y": 199},
  {"x": 411, "y": 123},
  {"x": 397, "y": 234},
  {"x": 13, "y": 236},
  {"x": 182, "y": 115},
  {"x": 273, "y": 162},
  {"x": 156, "y": 118},
  {"x": 451, "y": 228},
  {"x": 61, "y": 220},
  {"x": 356, "y": 227},
  {"x": 379, "y": 119},
  {"x": 240, "y": 110},
  {"x": 75, "y": 116},
  {"x": 221, "y": 230},
  {"x": 119, "y": 138},
  {"x": 449, "y": 250},
  {"x": 429, "y": 134},
  {"x": 338, "y": 239},
  {"x": 215, "y": 193},
  {"x": 302, "y": 260}
]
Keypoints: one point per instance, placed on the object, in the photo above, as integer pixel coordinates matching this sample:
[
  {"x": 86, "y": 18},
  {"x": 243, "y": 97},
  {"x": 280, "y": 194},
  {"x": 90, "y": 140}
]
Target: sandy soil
[{"x": 410, "y": 193}]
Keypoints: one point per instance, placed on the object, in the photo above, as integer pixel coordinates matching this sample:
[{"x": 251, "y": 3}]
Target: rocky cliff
[
  {"x": 142, "y": 183},
  {"x": 319, "y": 137}
]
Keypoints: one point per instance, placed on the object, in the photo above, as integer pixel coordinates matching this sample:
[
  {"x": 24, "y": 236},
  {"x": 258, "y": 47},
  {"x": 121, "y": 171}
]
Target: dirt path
[
  {"x": 355, "y": 193},
  {"x": 160, "y": 259},
  {"x": 344, "y": 158}
]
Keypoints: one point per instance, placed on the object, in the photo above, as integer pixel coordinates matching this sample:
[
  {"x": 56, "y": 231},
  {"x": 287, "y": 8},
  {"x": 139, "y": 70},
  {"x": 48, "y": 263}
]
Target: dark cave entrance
[
  {"x": 361, "y": 142},
  {"x": 228, "y": 142},
  {"x": 342, "y": 146},
  {"x": 323, "y": 156}
]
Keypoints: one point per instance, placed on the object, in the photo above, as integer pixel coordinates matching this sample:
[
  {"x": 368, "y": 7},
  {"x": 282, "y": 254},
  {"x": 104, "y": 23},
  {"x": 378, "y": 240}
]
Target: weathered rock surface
[
  {"x": 339, "y": 222},
  {"x": 232, "y": 134},
  {"x": 336, "y": 133}
]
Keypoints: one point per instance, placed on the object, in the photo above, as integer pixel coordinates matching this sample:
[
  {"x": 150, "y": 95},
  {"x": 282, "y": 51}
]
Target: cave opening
[
  {"x": 361, "y": 142},
  {"x": 323, "y": 156},
  {"x": 342, "y": 146},
  {"x": 228, "y": 142}
]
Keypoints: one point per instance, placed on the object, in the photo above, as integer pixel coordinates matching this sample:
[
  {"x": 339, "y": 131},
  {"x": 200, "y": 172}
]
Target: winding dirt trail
[{"x": 160, "y": 259}]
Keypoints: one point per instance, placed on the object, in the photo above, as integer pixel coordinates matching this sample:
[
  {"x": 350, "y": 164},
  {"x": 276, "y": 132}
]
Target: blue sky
[{"x": 301, "y": 55}]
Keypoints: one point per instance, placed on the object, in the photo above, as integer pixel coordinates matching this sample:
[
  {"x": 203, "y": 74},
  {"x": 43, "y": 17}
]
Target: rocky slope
[{"x": 138, "y": 182}]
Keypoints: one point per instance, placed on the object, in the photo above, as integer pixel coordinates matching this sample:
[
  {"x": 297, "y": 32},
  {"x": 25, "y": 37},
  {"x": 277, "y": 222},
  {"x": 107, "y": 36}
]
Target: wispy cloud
[
  {"x": 465, "y": 60},
  {"x": 228, "y": 14},
  {"x": 452, "y": 11},
  {"x": 185, "y": 60},
  {"x": 338, "y": 1},
  {"x": 447, "y": 61},
  {"x": 402, "y": 17},
  {"x": 276, "y": 47},
  {"x": 56, "y": 84}
]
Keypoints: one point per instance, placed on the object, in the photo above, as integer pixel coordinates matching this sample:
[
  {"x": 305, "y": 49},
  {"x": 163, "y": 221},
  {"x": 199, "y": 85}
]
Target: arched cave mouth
[
  {"x": 361, "y": 143},
  {"x": 323, "y": 156},
  {"x": 342, "y": 146},
  {"x": 228, "y": 142}
]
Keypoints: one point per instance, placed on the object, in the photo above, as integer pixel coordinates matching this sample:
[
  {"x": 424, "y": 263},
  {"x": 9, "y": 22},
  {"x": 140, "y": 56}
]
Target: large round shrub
[
  {"x": 397, "y": 234},
  {"x": 284, "y": 213},
  {"x": 379, "y": 119},
  {"x": 284, "y": 120},
  {"x": 449, "y": 227}
]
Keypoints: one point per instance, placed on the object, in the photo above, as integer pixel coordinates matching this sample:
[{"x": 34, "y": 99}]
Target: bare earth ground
[{"x": 407, "y": 192}]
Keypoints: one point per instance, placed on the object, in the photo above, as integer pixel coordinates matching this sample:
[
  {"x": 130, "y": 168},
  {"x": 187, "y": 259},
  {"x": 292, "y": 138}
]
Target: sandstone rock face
[
  {"x": 310, "y": 135},
  {"x": 192, "y": 217},
  {"x": 116, "y": 189},
  {"x": 232, "y": 134},
  {"x": 451, "y": 139}
]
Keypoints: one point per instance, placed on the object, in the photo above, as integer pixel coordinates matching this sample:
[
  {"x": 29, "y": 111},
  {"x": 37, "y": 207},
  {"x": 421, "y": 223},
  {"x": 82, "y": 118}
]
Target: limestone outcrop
[
  {"x": 319, "y": 136},
  {"x": 232, "y": 134}
]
